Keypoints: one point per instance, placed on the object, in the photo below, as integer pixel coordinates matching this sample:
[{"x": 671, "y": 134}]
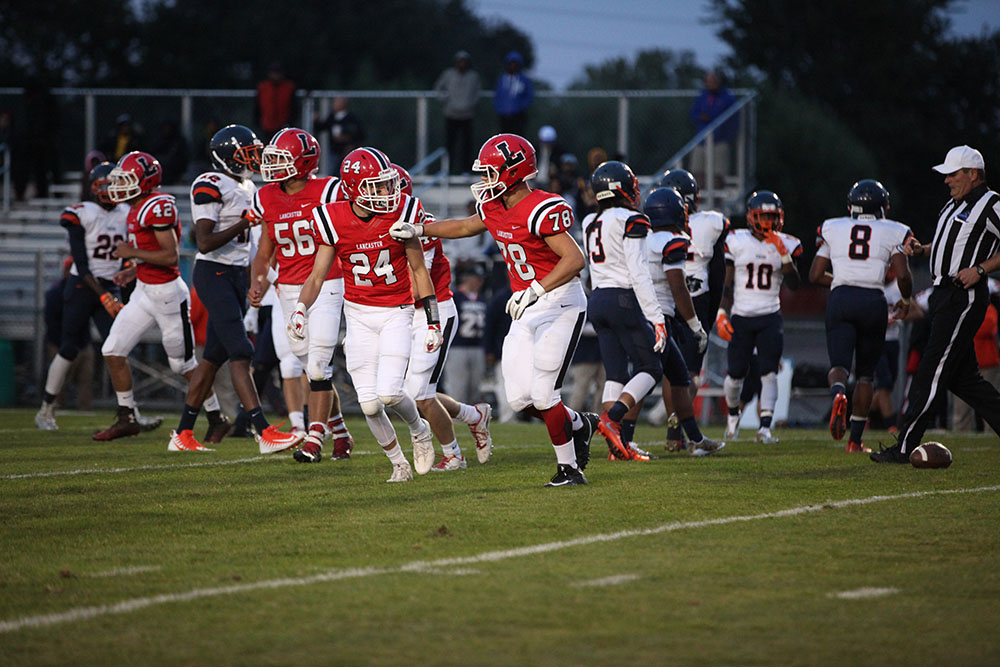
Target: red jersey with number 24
[
  {"x": 376, "y": 271},
  {"x": 520, "y": 232},
  {"x": 289, "y": 225},
  {"x": 156, "y": 212}
]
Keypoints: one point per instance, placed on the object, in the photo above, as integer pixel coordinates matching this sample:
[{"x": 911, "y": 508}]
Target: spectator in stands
[
  {"x": 37, "y": 155},
  {"x": 513, "y": 95},
  {"x": 458, "y": 89},
  {"x": 125, "y": 138},
  {"x": 171, "y": 149},
  {"x": 714, "y": 99},
  {"x": 963, "y": 417},
  {"x": 586, "y": 202},
  {"x": 466, "y": 360},
  {"x": 548, "y": 154},
  {"x": 346, "y": 132},
  {"x": 275, "y": 101}
]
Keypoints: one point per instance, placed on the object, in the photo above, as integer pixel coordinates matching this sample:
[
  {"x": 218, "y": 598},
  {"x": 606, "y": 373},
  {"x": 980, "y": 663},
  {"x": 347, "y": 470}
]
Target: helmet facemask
[
  {"x": 380, "y": 194},
  {"x": 277, "y": 164},
  {"x": 491, "y": 186},
  {"x": 123, "y": 186}
]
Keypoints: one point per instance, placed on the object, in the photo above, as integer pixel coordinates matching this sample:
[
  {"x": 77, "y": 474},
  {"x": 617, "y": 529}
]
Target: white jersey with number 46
[{"x": 859, "y": 248}]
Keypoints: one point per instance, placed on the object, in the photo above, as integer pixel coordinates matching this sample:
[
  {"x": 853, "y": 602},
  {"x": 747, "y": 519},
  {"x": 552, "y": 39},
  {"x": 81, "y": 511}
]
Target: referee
[{"x": 966, "y": 247}]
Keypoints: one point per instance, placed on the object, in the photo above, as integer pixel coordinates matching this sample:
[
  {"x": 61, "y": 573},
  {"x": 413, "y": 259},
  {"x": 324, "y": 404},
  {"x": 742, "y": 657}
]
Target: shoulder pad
[
  {"x": 205, "y": 190},
  {"x": 552, "y": 215},
  {"x": 675, "y": 250},
  {"x": 636, "y": 226}
]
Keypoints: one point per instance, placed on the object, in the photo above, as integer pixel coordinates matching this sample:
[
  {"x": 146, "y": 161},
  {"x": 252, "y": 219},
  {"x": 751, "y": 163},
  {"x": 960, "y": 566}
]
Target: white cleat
[
  {"x": 764, "y": 436},
  {"x": 706, "y": 447},
  {"x": 481, "y": 432},
  {"x": 273, "y": 441},
  {"x": 732, "y": 427},
  {"x": 401, "y": 472},
  {"x": 423, "y": 449},
  {"x": 450, "y": 463},
  {"x": 46, "y": 418}
]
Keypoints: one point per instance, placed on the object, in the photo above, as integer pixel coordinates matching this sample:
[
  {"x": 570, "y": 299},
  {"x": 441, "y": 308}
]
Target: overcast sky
[{"x": 568, "y": 34}]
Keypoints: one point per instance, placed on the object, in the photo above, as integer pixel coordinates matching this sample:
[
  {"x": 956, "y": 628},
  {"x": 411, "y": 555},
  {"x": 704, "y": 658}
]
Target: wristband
[
  {"x": 430, "y": 304},
  {"x": 907, "y": 300},
  {"x": 786, "y": 259},
  {"x": 694, "y": 323},
  {"x": 537, "y": 288},
  {"x": 272, "y": 275},
  {"x": 721, "y": 313},
  {"x": 301, "y": 307},
  {"x": 980, "y": 270}
]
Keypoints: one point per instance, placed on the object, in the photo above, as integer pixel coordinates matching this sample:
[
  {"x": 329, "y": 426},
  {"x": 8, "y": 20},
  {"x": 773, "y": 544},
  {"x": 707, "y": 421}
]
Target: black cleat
[
  {"x": 217, "y": 430},
  {"x": 567, "y": 475},
  {"x": 582, "y": 437},
  {"x": 892, "y": 454},
  {"x": 124, "y": 427}
]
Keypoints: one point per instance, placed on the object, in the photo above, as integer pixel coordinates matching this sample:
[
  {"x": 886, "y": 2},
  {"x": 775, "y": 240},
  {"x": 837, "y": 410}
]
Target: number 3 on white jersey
[{"x": 514, "y": 253}]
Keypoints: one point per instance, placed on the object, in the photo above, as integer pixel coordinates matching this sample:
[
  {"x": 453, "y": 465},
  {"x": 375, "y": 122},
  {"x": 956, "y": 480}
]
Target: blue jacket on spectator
[
  {"x": 514, "y": 91},
  {"x": 708, "y": 106}
]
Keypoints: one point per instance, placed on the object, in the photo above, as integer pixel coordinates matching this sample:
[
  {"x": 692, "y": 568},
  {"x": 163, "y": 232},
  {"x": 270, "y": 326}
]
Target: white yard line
[
  {"x": 106, "y": 471},
  {"x": 613, "y": 580},
  {"x": 135, "y": 604},
  {"x": 862, "y": 593}
]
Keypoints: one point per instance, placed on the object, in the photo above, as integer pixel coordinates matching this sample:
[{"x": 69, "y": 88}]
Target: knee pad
[
  {"x": 612, "y": 390},
  {"x": 319, "y": 371},
  {"x": 290, "y": 367},
  {"x": 372, "y": 408},
  {"x": 320, "y": 385},
  {"x": 182, "y": 366},
  {"x": 390, "y": 401}
]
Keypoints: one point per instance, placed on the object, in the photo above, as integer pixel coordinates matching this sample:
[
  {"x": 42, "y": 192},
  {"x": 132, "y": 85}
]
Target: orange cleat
[
  {"x": 612, "y": 431},
  {"x": 838, "y": 417},
  {"x": 853, "y": 447}
]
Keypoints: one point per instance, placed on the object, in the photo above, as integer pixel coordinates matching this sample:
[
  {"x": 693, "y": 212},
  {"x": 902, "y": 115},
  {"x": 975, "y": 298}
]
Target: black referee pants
[{"x": 949, "y": 362}]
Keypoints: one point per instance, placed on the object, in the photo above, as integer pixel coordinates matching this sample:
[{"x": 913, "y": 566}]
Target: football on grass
[{"x": 930, "y": 455}]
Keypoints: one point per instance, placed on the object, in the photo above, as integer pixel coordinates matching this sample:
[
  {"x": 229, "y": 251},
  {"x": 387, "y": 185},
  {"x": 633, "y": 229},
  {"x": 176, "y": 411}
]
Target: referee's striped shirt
[{"x": 968, "y": 232}]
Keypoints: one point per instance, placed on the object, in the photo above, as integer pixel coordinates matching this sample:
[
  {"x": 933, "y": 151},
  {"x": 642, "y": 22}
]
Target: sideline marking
[
  {"x": 613, "y": 580},
  {"x": 95, "y": 471},
  {"x": 135, "y": 604},
  {"x": 861, "y": 593},
  {"x": 125, "y": 571}
]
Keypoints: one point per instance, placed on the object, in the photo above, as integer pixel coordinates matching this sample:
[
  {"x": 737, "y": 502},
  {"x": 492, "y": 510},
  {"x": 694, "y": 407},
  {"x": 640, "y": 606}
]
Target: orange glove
[
  {"x": 251, "y": 217},
  {"x": 723, "y": 326},
  {"x": 661, "y": 337},
  {"x": 775, "y": 240},
  {"x": 111, "y": 304}
]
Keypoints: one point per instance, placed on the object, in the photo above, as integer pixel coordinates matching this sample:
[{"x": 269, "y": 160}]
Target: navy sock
[
  {"x": 734, "y": 410},
  {"x": 857, "y": 429},
  {"x": 837, "y": 388},
  {"x": 628, "y": 430},
  {"x": 188, "y": 417},
  {"x": 214, "y": 416},
  {"x": 258, "y": 419},
  {"x": 765, "y": 421},
  {"x": 617, "y": 411},
  {"x": 690, "y": 427}
]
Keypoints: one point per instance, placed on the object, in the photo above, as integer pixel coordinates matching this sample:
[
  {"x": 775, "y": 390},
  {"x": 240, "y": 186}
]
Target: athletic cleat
[
  {"x": 217, "y": 431},
  {"x": 856, "y": 447},
  {"x": 185, "y": 442},
  {"x": 892, "y": 454},
  {"x": 401, "y": 472},
  {"x": 675, "y": 436},
  {"x": 706, "y": 447},
  {"x": 732, "y": 427},
  {"x": 639, "y": 454},
  {"x": 343, "y": 445},
  {"x": 582, "y": 437},
  {"x": 273, "y": 441},
  {"x": 481, "y": 432},
  {"x": 567, "y": 475},
  {"x": 450, "y": 463},
  {"x": 148, "y": 423},
  {"x": 764, "y": 436},
  {"x": 423, "y": 449},
  {"x": 125, "y": 427},
  {"x": 612, "y": 431},
  {"x": 46, "y": 418},
  {"x": 838, "y": 417},
  {"x": 311, "y": 452}
]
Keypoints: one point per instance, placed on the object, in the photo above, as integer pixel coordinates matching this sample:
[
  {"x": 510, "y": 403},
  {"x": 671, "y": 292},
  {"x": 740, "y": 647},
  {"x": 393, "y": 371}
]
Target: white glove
[
  {"x": 250, "y": 320},
  {"x": 519, "y": 301},
  {"x": 434, "y": 338},
  {"x": 699, "y": 334},
  {"x": 296, "y": 327},
  {"x": 406, "y": 230}
]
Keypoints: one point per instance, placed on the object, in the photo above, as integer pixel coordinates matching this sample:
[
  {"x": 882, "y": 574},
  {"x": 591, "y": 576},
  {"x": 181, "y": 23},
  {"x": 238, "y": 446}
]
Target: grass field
[{"x": 124, "y": 553}]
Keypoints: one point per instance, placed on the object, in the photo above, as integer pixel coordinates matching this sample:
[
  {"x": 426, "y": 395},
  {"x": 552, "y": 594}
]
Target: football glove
[
  {"x": 111, "y": 304},
  {"x": 296, "y": 326},
  {"x": 250, "y": 320},
  {"x": 520, "y": 300},
  {"x": 699, "y": 334},
  {"x": 723, "y": 326},
  {"x": 661, "y": 337},
  {"x": 433, "y": 339},
  {"x": 401, "y": 230},
  {"x": 779, "y": 245},
  {"x": 251, "y": 217}
]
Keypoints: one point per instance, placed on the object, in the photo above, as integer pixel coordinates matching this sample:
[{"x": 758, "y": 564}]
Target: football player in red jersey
[
  {"x": 425, "y": 367},
  {"x": 284, "y": 206},
  {"x": 160, "y": 296},
  {"x": 378, "y": 298},
  {"x": 548, "y": 306}
]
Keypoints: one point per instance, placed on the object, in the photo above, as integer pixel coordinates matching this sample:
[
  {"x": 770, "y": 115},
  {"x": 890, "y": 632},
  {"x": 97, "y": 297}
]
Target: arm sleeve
[
  {"x": 78, "y": 248},
  {"x": 642, "y": 284},
  {"x": 717, "y": 270}
]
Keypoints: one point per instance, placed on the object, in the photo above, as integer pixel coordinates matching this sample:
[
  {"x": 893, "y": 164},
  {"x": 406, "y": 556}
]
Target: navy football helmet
[
  {"x": 682, "y": 181},
  {"x": 665, "y": 207},
  {"x": 99, "y": 179},
  {"x": 868, "y": 197},
  {"x": 765, "y": 213},
  {"x": 615, "y": 179},
  {"x": 236, "y": 150}
]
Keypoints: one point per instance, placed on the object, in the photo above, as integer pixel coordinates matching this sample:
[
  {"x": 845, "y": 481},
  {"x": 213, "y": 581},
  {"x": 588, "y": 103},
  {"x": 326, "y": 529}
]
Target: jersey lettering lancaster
[
  {"x": 605, "y": 233},
  {"x": 376, "y": 269},
  {"x": 155, "y": 212},
  {"x": 438, "y": 266},
  {"x": 288, "y": 220},
  {"x": 859, "y": 249},
  {"x": 758, "y": 276},
  {"x": 102, "y": 230},
  {"x": 222, "y": 199},
  {"x": 520, "y": 233},
  {"x": 706, "y": 228},
  {"x": 667, "y": 252}
]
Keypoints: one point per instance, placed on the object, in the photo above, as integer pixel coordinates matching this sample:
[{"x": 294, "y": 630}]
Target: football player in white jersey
[
  {"x": 859, "y": 248},
  {"x": 622, "y": 306},
  {"x": 758, "y": 261},
  {"x": 220, "y": 200},
  {"x": 95, "y": 227}
]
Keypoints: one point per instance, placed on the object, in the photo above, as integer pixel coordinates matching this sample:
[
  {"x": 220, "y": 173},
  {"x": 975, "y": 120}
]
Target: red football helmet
[
  {"x": 137, "y": 173},
  {"x": 292, "y": 152},
  {"x": 765, "y": 213},
  {"x": 504, "y": 161},
  {"x": 405, "y": 181},
  {"x": 370, "y": 181}
]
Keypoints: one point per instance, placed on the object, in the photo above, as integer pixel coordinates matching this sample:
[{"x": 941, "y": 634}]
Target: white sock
[
  {"x": 468, "y": 414},
  {"x": 451, "y": 448},
  {"x": 298, "y": 420},
  {"x": 58, "y": 370},
  {"x": 575, "y": 417},
  {"x": 211, "y": 403},
  {"x": 732, "y": 388},
  {"x": 395, "y": 454},
  {"x": 126, "y": 399},
  {"x": 566, "y": 454}
]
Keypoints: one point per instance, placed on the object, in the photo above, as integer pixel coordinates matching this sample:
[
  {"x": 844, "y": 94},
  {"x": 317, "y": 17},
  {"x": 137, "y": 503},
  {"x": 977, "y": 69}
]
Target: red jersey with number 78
[
  {"x": 155, "y": 212},
  {"x": 376, "y": 271},
  {"x": 520, "y": 232},
  {"x": 288, "y": 223}
]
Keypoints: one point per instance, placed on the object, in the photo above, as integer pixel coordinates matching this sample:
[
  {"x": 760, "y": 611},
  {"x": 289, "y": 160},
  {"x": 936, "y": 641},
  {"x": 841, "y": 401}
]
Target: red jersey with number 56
[
  {"x": 520, "y": 232},
  {"x": 376, "y": 272},
  {"x": 155, "y": 212},
  {"x": 288, "y": 223}
]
